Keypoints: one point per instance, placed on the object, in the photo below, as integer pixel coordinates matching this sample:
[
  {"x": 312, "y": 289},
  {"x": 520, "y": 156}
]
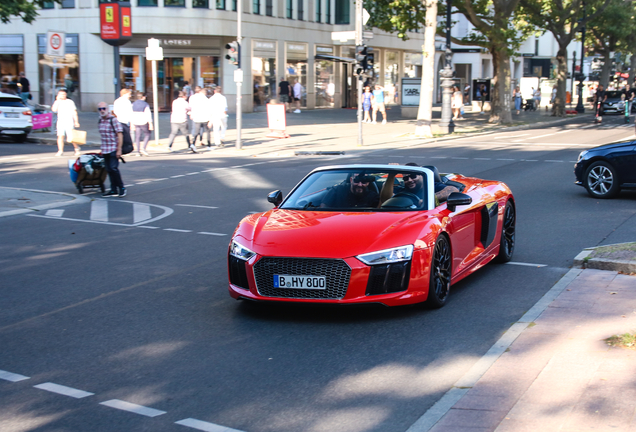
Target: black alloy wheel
[
  {"x": 601, "y": 180},
  {"x": 507, "y": 242},
  {"x": 440, "y": 280}
]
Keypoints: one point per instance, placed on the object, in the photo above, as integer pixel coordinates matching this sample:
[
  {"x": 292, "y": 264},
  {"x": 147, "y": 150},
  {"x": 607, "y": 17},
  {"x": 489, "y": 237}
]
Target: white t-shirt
[
  {"x": 122, "y": 107},
  {"x": 199, "y": 108},
  {"x": 218, "y": 105},
  {"x": 298, "y": 90},
  {"x": 65, "y": 110},
  {"x": 180, "y": 108}
]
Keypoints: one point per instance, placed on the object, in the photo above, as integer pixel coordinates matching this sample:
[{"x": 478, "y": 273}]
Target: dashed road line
[
  {"x": 197, "y": 206},
  {"x": 211, "y": 233},
  {"x": 548, "y": 160},
  {"x": 133, "y": 408},
  {"x": 193, "y": 173},
  {"x": 177, "y": 176},
  {"x": 526, "y": 264},
  {"x": 204, "y": 426},
  {"x": 13, "y": 377},
  {"x": 177, "y": 230},
  {"x": 141, "y": 212},
  {"x": 502, "y": 159},
  {"x": 55, "y": 212},
  {"x": 63, "y": 390},
  {"x": 99, "y": 211}
]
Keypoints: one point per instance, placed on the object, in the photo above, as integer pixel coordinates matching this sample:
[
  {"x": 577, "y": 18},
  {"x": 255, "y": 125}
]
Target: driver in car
[
  {"x": 414, "y": 184},
  {"x": 354, "y": 194}
]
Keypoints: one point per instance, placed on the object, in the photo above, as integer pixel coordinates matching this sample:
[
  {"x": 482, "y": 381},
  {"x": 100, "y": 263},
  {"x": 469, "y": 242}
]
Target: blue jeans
[
  {"x": 518, "y": 103},
  {"x": 112, "y": 163}
]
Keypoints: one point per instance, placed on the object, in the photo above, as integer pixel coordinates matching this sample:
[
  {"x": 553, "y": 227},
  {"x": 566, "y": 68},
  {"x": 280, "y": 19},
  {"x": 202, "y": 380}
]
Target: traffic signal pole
[
  {"x": 360, "y": 76},
  {"x": 238, "y": 75}
]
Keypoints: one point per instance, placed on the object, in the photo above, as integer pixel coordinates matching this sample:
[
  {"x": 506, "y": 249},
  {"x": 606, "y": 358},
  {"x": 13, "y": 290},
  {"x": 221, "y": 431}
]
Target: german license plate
[
  {"x": 11, "y": 115},
  {"x": 300, "y": 282}
]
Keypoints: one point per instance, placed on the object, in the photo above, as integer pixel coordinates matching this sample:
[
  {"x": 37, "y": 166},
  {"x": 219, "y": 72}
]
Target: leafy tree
[
  {"x": 562, "y": 18},
  {"x": 25, "y": 9}
]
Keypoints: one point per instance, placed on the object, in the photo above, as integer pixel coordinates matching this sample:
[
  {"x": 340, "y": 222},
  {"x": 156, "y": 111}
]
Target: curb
[{"x": 583, "y": 261}]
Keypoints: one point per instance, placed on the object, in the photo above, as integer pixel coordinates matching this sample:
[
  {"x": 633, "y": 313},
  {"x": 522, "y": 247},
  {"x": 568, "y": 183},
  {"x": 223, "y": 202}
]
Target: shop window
[
  {"x": 210, "y": 68},
  {"x": 296, "y": 71},
  {"x": 48, "y": 5},
  {"x": 220, "y": 4},
  {"x": 174, "y": 3},
  {"x": 147, "y": 3},
  {"x": 256, "y": 6},
  {"x": 59, "y": 73},
  {"x": 68, "y": 4},
  {"x": 269, "y": 7},
  {"x": 342, "y": 11},
  {"x": 290, "y": 9},
  {"x": 301, "y": 10},
  {"x": 391, "y": 76},
  {"x": 10, "y": 67},
  {"x": 203, "y": 4},
  {"x": 325, "y": 84},
  {"x": 264, "y": 81},
  {"x": 319, "y": 10}
]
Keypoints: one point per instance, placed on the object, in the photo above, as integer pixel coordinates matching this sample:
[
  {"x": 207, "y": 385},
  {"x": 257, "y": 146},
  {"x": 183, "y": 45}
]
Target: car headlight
[
  {"x": 582, "y": 155},
  {"x": 241, "y": 252},
  {"x": 402, "y": 253}
]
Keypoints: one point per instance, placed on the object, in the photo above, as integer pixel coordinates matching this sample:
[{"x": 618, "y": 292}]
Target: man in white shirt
[
  {"x": 200, "y": 115},
  {"x": 179, "y": 120},
  {"x": 218, "y": 116},
  {"x": 122, "y": 107},
  {"x": 67, "y": 119},
  {"x": 298, "y": 93}
]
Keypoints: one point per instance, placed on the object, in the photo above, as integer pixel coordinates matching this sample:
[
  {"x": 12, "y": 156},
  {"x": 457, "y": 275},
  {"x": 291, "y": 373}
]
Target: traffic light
[
  {"x": 361, "y": 59},
  {"x": 370, "y": 59},
  {"x": 233, "y": 53}
]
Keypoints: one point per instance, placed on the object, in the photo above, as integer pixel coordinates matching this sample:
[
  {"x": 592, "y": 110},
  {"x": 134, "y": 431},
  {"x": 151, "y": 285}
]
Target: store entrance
[
  {"x": 349, "y": 87},
  {"x": 171, "y": 76}
]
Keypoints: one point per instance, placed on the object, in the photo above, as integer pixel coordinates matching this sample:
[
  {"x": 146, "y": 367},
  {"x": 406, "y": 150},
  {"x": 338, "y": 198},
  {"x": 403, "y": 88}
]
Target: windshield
[
  {"x": 11, "y": 102},
  {"x": 362, "y": 190}
]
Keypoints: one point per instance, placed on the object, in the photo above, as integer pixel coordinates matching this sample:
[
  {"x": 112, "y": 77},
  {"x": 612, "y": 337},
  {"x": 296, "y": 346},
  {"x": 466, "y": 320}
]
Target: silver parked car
[{"x": 16, "y": 119}]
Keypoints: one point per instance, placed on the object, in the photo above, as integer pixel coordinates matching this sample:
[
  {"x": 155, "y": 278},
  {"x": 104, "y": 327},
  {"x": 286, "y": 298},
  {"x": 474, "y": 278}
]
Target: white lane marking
[
  {"x": 177, "y": 176},
  {"x": 133, "y": 408},
  {"x": 99, "y": 211},
  {"x": 198, "y": 206},
  {"x": 461, "y": 158},
  {"x": 510, "y": 136},
  {"x": 212, "y": 234},
  {"x": 177, "y": 230},
  {"x": 526, "y": 264},
  {"x": 550, "y": 134},
  {"x": 193, "y": 173},
  {"x": 502, "y": 159},
  {"x": 55, "y": 212},
  {"x": 149, "y": 227},
  {"x": 144, "y": 182},
  {"x": 439, "y": 157},
  {"x": 63, "y": 390},
  {"x": 204, "y": 426},
  {"x": 160, "y": 179},
  {"x": 549, "y": 160},
  {"x": 481, "y": 158},
  {"x": 528, "y": 160},
  {"x": 13, "y": 377},
  {"x": 141, "y": 212}
]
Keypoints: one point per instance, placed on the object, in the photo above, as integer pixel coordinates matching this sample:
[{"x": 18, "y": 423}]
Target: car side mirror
[
  {"x": 275, "y": 197},
  {"x": 456, "y": 199}
]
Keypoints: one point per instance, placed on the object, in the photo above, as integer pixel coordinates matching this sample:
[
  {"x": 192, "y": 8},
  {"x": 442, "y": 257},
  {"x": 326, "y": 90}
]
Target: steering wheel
[{"x": 412, "y": 196}]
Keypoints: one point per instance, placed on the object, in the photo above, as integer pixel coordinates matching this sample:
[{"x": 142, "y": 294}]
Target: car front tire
[
  {"x": 601, "y": 180},
  {"x": 440, "y": 278}
]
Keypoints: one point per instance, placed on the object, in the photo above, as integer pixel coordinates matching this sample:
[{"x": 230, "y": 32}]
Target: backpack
[{"x": 127, "y": 144}]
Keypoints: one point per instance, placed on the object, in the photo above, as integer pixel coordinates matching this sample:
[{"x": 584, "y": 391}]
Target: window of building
[
  {"x": 147, "y": 3},
  {"x": 269, "y": 7},
  {"x": 328, "y": 12},
  {"x": 325, "y": 84},
  {"x": 68, "y": 4},
  {"x": 48, "y": 5},
  {"x": 174, "y": 3},
  {"x": 301, "y": 10},
  {"x": 220, "y": 4},
  {"x": 234, "y": 5},
  {"x": 290, "y": 9},
  {"x": 263, "y": 69},
  {"x": 319, "y": 10},
  {"x": 200, "y": 4},
  {"x": 391, "y": 76},
  {"x": 342, "y": 11},
  {"x": 256, "y": 6},
  {"x": 62, "y": 74}
]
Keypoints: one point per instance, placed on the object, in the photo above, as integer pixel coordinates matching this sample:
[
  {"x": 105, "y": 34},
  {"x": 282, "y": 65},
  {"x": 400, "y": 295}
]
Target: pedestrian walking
[
  {"x": 379, "y": 105},
  {"x": 298, "y": 94},
  {"x": 467, "y": 93},
  {"x": 599, "y": 97},
  {"x": 112, "y": 137},
  {"x": 553, "y": 96},
  {"x": 482, "y": 94},
  {"x": 179, "y": 120},
  {"x": 122, "y": 107},
  {"x": 25, "y": 88},
  {"x": 537, "y": 97},
  {"x": 200, "y": 115},
  {"x": 518, "y": 99},
  {"x": 67, "y": 120},
  {"x": 218, "y": 116},
  {"x": 367, "y": 100},
  {"x": 284, "y": 93},
  {"x": 457, "y": 103},
  {"x": 187, "y": 90},
  {"x": 141, "y": 121}
]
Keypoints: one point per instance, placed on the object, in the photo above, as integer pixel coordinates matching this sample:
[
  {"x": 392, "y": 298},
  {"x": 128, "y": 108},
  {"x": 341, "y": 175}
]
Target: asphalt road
[{"x": 127, "y": 299}]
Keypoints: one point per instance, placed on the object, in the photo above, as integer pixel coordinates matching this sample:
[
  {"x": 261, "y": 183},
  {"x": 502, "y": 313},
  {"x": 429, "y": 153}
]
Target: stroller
[
  {"x": 530, "y": 105},
  {"x": 88, "y": 171}
]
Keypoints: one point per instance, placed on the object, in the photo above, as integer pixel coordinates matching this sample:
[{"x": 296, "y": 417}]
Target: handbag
[{"x": 78, "y": 137}]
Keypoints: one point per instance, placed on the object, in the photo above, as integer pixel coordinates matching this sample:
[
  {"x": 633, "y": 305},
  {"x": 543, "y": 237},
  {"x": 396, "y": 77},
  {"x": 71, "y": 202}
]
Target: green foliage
[
  {"x": 614, "y": 28},
  {"x": 25, "y": 9}
]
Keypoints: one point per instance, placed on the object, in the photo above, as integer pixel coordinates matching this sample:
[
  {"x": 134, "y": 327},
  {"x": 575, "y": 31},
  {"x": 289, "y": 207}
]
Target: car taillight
[{"x": 27, "y": 112}]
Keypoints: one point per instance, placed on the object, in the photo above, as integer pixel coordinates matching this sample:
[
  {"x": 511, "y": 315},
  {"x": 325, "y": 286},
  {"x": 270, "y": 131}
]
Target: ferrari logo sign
[
  {"x": 110, "y": 16},
  {"x": 55, "y": 44}
]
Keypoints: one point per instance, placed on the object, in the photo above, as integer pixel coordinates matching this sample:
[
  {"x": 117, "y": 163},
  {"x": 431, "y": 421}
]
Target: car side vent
[
  {"x": 489, "y": 223},
  {"x": 238, "y": 273},
  {"x": 389, "y": 278}
]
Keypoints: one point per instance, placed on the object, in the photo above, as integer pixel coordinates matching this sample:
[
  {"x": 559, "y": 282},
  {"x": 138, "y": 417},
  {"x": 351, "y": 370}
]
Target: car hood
[
  {"x": 613, "y": 146},
  {"x": 333, "y": 234}
]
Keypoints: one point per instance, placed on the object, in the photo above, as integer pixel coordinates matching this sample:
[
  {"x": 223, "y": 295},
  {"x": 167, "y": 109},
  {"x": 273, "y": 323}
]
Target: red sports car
[{"x": 386, "y": 234}]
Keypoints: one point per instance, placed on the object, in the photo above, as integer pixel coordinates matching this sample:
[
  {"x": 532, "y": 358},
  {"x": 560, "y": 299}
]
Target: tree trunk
[
  {"x": 632, "y": 69},
  {"x": 425, "y": 111},
  {"x": 500, "y": 87},
  {"x": 607, "y": 66},
  {"x": 558, "y": 108}
]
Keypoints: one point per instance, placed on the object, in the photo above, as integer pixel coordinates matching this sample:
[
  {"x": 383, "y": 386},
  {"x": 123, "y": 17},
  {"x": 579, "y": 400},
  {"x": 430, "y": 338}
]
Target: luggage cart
[{"x": 83, "y": 178}]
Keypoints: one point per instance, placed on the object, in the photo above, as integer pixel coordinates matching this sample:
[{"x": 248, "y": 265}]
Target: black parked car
[{"x": 607, "y": 169}]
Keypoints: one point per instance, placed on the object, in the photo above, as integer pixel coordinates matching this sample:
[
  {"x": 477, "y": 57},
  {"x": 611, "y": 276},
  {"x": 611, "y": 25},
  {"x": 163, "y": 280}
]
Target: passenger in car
[
  {"x": 414, "y": 183},
  {"x": 357, "y": 193}
]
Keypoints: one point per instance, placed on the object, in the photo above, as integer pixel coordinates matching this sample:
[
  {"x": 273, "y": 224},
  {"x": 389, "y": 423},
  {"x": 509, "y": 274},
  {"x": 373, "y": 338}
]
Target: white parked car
[{"x": 15, "y": 117}]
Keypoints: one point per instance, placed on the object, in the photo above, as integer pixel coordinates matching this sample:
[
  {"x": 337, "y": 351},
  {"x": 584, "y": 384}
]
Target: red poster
[
  {"x": 109, "y": 20},
  {"x": 126, "y": 22}
]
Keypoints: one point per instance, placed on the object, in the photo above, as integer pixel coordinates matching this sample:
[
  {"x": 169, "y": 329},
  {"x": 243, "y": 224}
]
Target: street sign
[
  {"x": 56, "y": 44},
  {"x": 238, "y": 76},
  {"x": 153, "y": 50}
]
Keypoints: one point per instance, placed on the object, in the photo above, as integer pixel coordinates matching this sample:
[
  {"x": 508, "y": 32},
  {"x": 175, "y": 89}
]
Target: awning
[{"x": 334, "y": 58}]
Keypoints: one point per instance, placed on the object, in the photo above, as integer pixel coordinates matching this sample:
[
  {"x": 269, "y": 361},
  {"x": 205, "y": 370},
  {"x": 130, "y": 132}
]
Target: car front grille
[{"x": 336, "y": 272}]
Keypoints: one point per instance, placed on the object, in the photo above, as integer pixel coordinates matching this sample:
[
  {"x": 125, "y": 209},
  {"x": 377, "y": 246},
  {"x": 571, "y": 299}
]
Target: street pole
[
  {"x": 579, "y": 104},
  {"x": 446, "y": 125},
  {"x": 573, "y": 77},
  {"x": 238, "y": 76},
  {"x": 359, "y": 42},
  {"x": 155, "y": 102},
  {"x": 116, "y": 80}
]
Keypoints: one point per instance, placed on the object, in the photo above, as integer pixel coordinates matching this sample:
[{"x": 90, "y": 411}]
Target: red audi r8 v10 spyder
[{"x": 371, "y": 234}]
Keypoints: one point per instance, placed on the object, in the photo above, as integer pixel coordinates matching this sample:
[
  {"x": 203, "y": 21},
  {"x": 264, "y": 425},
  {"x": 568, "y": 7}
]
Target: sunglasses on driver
[{"x": 407, "y": 177}]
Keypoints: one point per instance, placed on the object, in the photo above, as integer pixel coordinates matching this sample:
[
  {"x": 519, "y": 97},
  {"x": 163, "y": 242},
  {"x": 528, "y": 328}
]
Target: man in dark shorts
[
  {"x": 284, "y": 92},
  {"x": 354, "y": 194},
  {"x": 599, "y": 97}
]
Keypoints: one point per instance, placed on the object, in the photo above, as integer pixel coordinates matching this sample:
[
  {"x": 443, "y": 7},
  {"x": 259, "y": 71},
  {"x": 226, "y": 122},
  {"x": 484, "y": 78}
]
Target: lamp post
[
  {"x": 446, "y": 125},
  {"x": 579, "y": 104}
]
